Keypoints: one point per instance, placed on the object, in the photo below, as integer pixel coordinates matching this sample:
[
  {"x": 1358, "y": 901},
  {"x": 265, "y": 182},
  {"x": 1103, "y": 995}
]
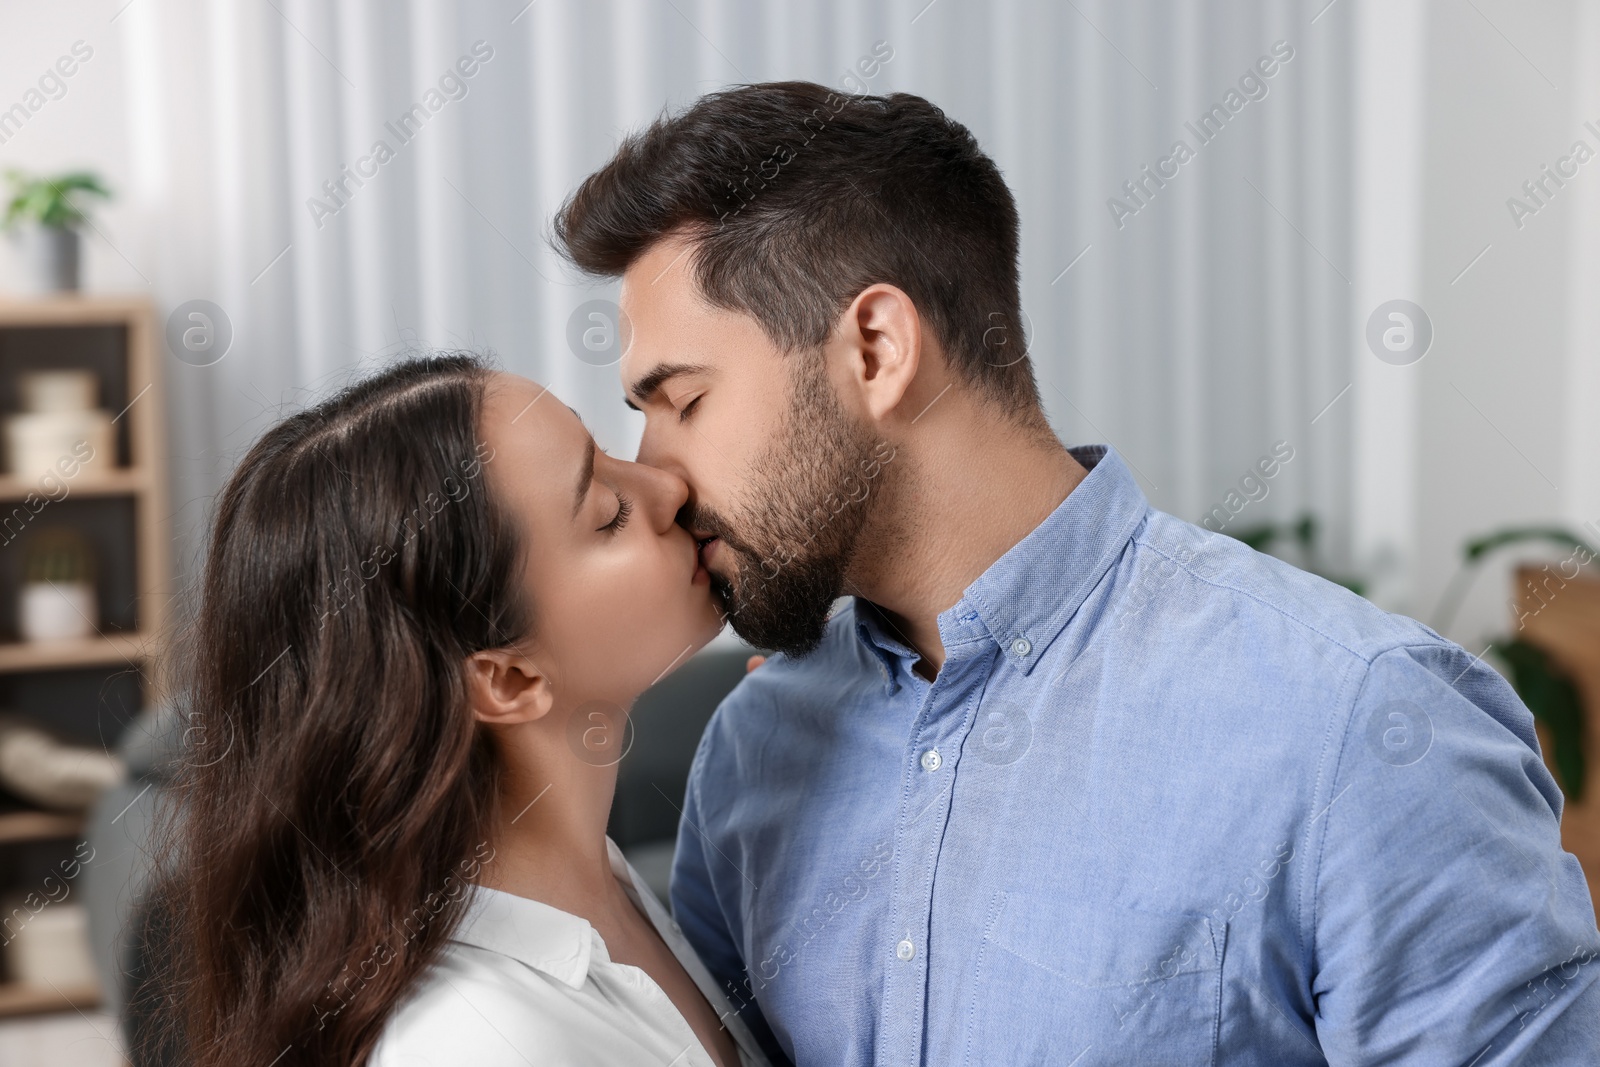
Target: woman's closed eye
[{"x": 620, "y": 519}]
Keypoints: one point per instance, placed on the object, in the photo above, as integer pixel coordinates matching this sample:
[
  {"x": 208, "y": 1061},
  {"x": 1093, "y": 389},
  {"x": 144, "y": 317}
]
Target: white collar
[
  {"x": 562, "y": 945},
  {"x": 555, "y": 942},
  {"x": 547, "y": 939}
]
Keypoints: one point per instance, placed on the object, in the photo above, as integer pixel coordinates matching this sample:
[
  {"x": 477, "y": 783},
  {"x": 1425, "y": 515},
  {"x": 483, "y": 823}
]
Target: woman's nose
[{"x": 666, "y": 494}]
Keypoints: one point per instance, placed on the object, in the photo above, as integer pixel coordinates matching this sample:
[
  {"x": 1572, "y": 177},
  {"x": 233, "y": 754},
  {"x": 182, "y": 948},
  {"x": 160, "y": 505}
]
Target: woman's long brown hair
[{"x": 336, "y": 796}]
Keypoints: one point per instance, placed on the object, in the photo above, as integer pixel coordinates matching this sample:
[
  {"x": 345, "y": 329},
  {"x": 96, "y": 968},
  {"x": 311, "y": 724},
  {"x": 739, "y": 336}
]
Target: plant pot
[
  {"x": 54, "y": 611},
  {"x": 53, "y": 255}
]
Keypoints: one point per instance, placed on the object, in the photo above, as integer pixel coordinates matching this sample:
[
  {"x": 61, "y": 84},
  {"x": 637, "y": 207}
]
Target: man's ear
[
  {"x": 505, "y": 687},
  {"x": 884, "y": 336}
]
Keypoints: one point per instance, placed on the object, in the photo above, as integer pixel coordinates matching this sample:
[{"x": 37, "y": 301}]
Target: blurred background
[{"x": 1377, "y": 252}]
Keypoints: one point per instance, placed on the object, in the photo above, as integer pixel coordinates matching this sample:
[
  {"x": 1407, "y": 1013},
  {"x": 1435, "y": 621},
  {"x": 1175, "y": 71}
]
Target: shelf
[
  {"x": 18, "y": 999},
  {"x": 124, "y": 509},
  {"x": 74, "y": 309},
  {"x": 118, "y": 649},
  {"x": 115, "y": 482},
  {"x": 38, "y": 826}
]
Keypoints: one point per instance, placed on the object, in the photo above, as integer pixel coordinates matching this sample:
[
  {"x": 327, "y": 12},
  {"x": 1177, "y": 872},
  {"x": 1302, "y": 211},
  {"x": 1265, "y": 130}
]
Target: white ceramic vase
[{"x": 55, "y": 611}]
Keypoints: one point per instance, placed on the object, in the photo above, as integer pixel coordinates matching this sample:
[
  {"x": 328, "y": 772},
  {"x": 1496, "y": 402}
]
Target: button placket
[{"x": 940, "y": 723}]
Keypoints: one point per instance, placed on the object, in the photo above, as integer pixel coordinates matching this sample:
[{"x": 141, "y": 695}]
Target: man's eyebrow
[
  {"x": 645, "y": 387},
  {"x": 585, "y": 476}
]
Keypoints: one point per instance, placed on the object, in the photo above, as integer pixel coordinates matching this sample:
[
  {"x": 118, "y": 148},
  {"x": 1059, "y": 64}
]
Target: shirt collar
[
  {"x": 1027, "y": 596},
  {"x": 547, "y": 939}
]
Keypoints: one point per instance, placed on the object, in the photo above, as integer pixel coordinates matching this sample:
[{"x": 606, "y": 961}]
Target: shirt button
[
  {"x": 1021, "y": 647},
  {"x": 905, "y": 950},
  {"x": 931, "y": 760}
]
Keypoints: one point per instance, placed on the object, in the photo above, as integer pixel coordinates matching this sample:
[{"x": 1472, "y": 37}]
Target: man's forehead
[
  {"x": 635, "y": 364},
  {"x": 646, "y": 299},
  {"x": 659, "y": 275},
  {"x": 661, "y": 334}
]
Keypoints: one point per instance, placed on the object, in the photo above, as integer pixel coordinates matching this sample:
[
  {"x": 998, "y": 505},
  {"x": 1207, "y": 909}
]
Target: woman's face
[{"x": 618, "y": 593}]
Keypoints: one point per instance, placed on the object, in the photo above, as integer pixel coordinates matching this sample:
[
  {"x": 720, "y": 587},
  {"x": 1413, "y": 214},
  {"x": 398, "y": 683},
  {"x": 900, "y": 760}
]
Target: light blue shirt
[{"x": 1169, "y": 801}]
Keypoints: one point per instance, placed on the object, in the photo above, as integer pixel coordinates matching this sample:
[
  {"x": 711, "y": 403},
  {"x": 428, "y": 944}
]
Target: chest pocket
[{"x": 1064, "y": 982}]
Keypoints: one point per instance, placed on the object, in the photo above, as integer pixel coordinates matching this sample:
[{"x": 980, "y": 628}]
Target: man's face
[{"x": 779, "y": 473}]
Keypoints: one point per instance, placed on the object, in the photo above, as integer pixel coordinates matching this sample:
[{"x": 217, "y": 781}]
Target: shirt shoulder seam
[
  {"x": 1310, "y": 938},
  {"x": 1306, "y": 925},
  {"x": 1264, "y": 603}
]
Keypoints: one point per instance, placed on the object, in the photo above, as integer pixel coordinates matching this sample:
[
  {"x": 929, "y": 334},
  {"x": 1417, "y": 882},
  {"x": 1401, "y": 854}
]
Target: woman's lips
[{"x": 703, "y": 550}]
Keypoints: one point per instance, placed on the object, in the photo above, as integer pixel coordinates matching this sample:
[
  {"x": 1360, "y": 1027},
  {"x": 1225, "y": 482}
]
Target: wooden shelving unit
[
  {"x": 107, "y": 651},
  {"x": 113, "y": 483},
  {"x": 18, "y": 826},
  {"x": 117, "y": 338},
  {"x": 22, "y": 1000}
]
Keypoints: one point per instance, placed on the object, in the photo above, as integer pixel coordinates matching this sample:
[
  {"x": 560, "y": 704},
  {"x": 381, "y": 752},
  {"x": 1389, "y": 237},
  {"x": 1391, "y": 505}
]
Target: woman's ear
[{"x": 505, "y": 687}]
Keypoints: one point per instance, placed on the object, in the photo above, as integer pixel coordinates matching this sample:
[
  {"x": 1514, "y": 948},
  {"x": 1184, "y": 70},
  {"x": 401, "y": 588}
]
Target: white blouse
[{"x": 522, "y": 984}]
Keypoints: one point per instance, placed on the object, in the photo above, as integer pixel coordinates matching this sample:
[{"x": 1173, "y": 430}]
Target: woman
[{"x": 427, "y": 602}]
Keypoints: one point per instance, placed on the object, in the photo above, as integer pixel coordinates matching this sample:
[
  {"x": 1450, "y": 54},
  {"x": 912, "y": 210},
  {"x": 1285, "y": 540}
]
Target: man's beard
[{"x": 801, "y": 526}]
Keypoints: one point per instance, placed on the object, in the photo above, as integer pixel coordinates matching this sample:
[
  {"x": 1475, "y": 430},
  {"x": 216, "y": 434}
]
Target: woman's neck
[{"x": 550, "y": 844}]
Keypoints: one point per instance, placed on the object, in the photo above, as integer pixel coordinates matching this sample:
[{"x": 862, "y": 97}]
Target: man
[{"x": 1072, "y": 781}]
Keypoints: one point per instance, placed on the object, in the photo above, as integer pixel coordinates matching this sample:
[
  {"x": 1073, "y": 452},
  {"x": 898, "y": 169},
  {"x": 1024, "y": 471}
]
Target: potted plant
[
  {"x": 52, "y": 218},
  {"x": 57, "y": 600}
]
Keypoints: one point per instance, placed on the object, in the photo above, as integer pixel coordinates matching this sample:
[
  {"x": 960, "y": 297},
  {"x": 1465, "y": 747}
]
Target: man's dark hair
[{"x": 797, "y": 198}]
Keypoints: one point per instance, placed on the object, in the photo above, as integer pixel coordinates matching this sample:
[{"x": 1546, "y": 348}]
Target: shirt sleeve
[
  {"x": 1446, "y": 924},
  {"x": 699, "y": 913}
]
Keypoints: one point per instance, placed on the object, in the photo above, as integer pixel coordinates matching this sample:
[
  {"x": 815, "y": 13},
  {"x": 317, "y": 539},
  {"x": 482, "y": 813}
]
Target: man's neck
[{"x": 965, "y": 494}]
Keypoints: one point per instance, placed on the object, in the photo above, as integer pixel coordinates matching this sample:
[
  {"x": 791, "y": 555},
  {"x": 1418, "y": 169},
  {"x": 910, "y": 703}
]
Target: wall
[
  {"x": 1507, "y": 393},
  {"x": 83, "y": 124}
]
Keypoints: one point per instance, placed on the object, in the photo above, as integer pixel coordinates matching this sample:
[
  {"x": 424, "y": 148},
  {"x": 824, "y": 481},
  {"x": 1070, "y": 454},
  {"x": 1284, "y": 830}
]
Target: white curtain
[{"x": 1193, "y": 334}]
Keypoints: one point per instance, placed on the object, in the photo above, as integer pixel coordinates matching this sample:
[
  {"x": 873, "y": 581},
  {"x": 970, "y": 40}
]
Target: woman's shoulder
[{"x": 474, "y": 1005}]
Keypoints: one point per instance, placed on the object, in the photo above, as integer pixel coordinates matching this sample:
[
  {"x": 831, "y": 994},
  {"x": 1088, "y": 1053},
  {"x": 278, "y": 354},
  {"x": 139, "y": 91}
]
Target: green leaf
[
  {"x": 51, "y": 201},
  {"x": 1565, "y": 538}
]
